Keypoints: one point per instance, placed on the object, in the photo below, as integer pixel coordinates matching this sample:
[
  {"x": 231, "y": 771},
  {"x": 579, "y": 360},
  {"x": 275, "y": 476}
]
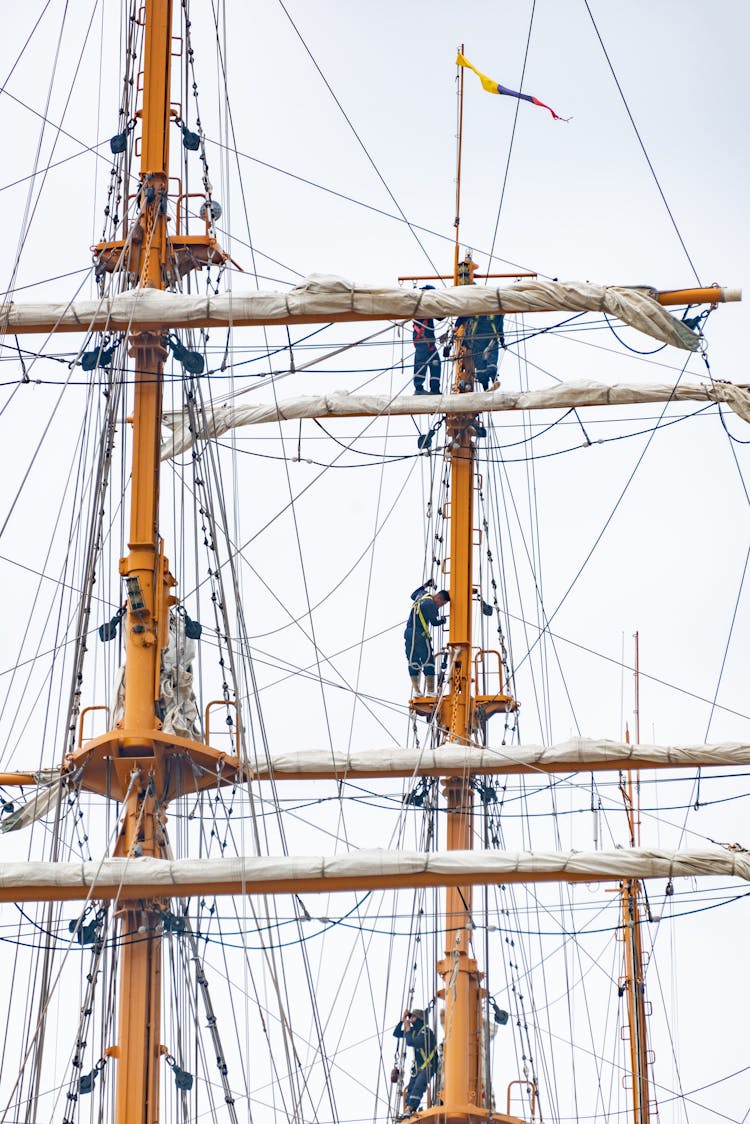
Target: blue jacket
[
  {"x": 423, "y": 1043},
  {"x": 425, "y": 608}
]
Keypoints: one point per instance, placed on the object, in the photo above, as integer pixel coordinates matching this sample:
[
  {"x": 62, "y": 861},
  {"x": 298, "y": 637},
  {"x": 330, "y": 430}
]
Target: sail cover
[
  {"x": 452, "y": 758},
  {"x": 126, "y": 878},
  {"x": 217, "y": 420},
  {"x": 320, "y": 298}
]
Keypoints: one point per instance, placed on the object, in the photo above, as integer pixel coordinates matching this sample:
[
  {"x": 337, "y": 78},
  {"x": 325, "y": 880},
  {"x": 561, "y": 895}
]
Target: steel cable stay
[
  {"x": 31, "y": 205},
  {"x": 223, "y": 608},
  {"x": 245, "y": 638},
  {"x": 275, "y": 971},
  {"x": 340, "y": 791},
  {"x": 77, "y": 460},
  {"x": 36, "y": 1014}
]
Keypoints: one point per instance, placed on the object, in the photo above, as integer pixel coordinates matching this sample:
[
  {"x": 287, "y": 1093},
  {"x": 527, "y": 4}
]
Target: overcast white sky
[{"x": 579, "y": 201}]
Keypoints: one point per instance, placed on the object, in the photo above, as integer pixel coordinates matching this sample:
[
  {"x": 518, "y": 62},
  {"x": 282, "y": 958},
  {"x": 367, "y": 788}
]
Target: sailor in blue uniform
[
  {"x": 422, "y": 1041},
  {"x": 424, "y": 615},
  {"x": 482, "y": 336},
  {"x": 426, "y": 357}
]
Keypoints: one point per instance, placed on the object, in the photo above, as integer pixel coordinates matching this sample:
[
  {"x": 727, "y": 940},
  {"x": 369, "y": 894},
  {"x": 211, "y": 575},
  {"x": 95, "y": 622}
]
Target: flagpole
[{"x": 456, "y": 253}]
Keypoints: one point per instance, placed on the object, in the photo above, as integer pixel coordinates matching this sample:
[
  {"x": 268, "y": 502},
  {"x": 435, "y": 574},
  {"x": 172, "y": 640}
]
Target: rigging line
[
  {"x": 43, "y": 437},
  {"x": 267, "y": 952},
  {"x": 564, "y": 933},
  {"x": 274, "y": 376},
  {"x": 19, "y": 56},
  {"x": 366, "y": 206},
  {"x": 365, "y": 608},
  {"x": 93, "y": 149},
  {"x": 245, "y": 636},
  {"x": 539, "y": 603},
  {"x": 644, "y": 675},
  {"x": 608, "y": 520},
  {"x": 58, "y": 647},
  {"x": 640, "y": 141},
  {"x": 512, "y": 138},
  {"x": 536, "y": 557},
  {"x": 35, "y": 284},
  {"x": 29, "y": 214},
  {"x": 311, "y": 609},
  {"x": 50, "y": 989},
  {"x": 728, "y": 642},
  {"x": 357, "y": 137},
  {"x": 240, "y": 549},
  {"x": 42, "y": 172}
]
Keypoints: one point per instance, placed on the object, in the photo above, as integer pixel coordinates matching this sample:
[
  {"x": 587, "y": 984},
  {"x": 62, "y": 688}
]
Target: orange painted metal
[
  {"x": 462, "y": 1070},
  {"x": 147, "y": 578},
  {"x": 633, "y": 916},
  {"x": 708, "y": 294}
]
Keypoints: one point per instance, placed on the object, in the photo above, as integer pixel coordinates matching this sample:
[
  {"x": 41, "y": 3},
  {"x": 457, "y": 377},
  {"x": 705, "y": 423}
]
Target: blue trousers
[
  {"x": 485, "y": 367},
  {"x": 416, "y": 1088},
  {"x": 426, "y": 360},
  {"x": 419, "y": 653}
]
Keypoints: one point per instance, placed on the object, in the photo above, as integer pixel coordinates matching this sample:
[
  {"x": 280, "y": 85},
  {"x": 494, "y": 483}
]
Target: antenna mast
[{"x": 633, "y": 983}]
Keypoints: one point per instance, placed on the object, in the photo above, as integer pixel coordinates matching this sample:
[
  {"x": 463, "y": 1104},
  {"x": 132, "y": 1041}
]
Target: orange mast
[
  {"x": 463, "y": 1095},
  {"x": 137, "y": 762},
  {"x": 147, "y": 579},
  {"x": 633, "y": 914}
]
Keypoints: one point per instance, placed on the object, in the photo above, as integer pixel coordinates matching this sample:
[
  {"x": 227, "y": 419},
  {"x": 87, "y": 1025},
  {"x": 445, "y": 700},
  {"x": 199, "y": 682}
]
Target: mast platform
[
  {"x": 179, "y": 765},
  {"x": 464, "y": 1114},
  {"x": 184, "y": 252},
  {"x": 482, "y": 708}
]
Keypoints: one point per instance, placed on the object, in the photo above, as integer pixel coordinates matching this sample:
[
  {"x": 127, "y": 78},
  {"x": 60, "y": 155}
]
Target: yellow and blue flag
[{"x": 493, "y": 87}]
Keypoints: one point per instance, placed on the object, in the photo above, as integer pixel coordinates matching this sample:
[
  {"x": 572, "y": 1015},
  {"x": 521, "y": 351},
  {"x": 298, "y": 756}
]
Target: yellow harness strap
[
  {"x": 425, "y": 1059},
  {"x": 421, "y": 616}
]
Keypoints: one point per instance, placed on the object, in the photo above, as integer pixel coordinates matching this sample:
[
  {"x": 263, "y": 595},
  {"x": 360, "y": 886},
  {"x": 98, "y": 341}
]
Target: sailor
[
  {"x": 426, "y": 357},
  {"x": 482, "y": 335},
  {"x": 422, "y": 1041},
  {"x": 425, "y": 614}
]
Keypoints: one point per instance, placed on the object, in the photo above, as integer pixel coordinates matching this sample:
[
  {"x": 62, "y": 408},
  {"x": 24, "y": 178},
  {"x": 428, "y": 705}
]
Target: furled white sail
[
  {"x": 177, "y": 697},
  {"x": 219, "y": 419},
  {"x": 449, "y": 759},
  {"x": 127, "y": 878},
  {"x": 320, "y": 298},
  {"x": 181, "y": 714},
  {"x": 454, "y": 759},
  {"x": 42, "y": 802}
]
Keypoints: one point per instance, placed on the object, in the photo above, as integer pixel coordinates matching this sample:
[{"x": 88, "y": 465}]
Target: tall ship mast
[{"x": 174, "y": 971}]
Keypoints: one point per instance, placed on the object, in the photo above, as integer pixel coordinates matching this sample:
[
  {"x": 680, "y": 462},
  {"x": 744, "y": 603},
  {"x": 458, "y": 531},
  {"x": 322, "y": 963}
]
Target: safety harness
[{"x": 420, "y": 614}]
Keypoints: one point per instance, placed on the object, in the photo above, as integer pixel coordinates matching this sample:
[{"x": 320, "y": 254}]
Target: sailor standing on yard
[
  {"x": 422, "y": 1041},
  {"x": 425, "y": 613},
  {"x": 483, "y": 336},
  {"x": 426, "y": 357}
]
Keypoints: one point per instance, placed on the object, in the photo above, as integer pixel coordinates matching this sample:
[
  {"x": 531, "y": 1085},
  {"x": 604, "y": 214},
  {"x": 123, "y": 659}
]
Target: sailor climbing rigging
[
  {"x": 425, "y": 614},
  {"x": 422, "y": 1040}
]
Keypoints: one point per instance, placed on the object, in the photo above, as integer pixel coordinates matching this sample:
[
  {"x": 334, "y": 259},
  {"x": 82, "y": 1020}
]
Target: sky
[{"x": 344, "y": 121}]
